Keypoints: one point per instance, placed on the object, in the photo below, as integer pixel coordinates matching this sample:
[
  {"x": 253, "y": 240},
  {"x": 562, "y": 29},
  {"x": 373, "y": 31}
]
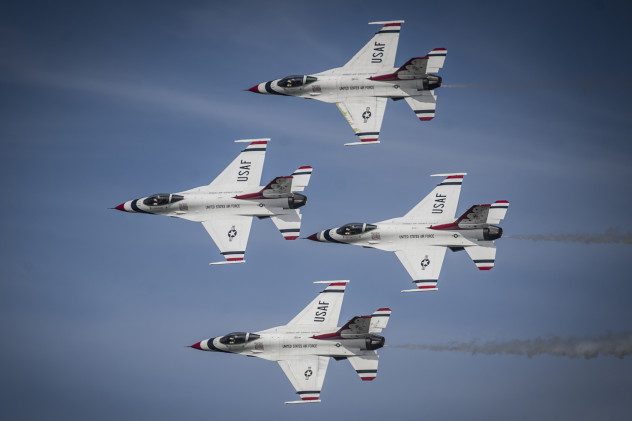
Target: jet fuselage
[
  {"x": 392, "y": 236},
  {"x": 335, "y": 88},
  {"x": 197, "y": 206},
  {"x": 280, "y": 343}
]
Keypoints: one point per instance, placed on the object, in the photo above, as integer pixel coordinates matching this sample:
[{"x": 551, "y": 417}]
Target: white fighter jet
[
  {"x": 304, "y": 345},
  {"x": 421, "y": 237},
  {"x": 361, "y": 87},
  {"x": 226, "y": 206}
]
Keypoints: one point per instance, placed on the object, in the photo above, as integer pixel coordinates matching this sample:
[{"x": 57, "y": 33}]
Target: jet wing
[
  {"x": 245, "y": 170},
  {"x": 230, "y": 234},
  {"x": 378, "y": 55},
  {"x": 324, "y": 310},
  {"x": 423, "y": 105},
  {"x": 423, "y": 265},
  {"x": 439, "y": 206},
  {"x": 364, "y": 115},
  {"x": 365, "y": 365},
  {"x": 306, "y": 373}
]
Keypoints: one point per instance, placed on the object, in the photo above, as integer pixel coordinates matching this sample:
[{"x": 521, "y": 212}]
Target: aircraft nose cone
[
  {"x": 121, "y": 207},
  {"x": 254, "y": 89},
  {"x": 313, "y": 237},
  {"x": 196, "y": 346}
]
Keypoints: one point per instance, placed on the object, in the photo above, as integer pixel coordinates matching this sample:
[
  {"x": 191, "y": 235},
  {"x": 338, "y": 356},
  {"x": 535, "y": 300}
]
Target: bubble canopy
[
  {"x": 238, "y": 338},
  {"x": 295, "y": 81},
  {"x": 355, "y": 228}
]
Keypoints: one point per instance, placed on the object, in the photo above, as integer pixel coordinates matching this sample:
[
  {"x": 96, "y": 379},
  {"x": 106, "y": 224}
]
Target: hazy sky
[{"x": 104, "y": 102}]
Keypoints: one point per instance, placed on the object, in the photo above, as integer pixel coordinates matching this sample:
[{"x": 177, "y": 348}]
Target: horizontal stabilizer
[
  {"x": 300, "y": 178},
  {"x": 365, "y": 365},
  {"x": 289, "y": 224},
  {"x": 436, "y": 58},
  {"x": 497, "y": 211},
  {"x": 379, "y": 319},
  {"x": 483, "y": 255},
  {"x": 423, "y": 105}
]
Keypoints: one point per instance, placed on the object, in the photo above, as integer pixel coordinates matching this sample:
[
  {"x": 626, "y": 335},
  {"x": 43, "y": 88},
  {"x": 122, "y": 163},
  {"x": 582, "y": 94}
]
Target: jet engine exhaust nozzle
[
  {"x": 431, "y": 82},
  {"x": 297, "y": 200},
  {"x": 492, "y": 233}
]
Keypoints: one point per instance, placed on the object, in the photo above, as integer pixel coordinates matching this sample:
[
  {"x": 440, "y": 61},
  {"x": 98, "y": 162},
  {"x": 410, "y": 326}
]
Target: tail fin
[
  {"x": 361, "y": 326},
  {"x": 245, "y": 170},
  {"x": 417, "y": 67},
  {"x": 300, "y": 178},
  {"x": 278, "y": 187},
  {"x": 481, "y": 215}
]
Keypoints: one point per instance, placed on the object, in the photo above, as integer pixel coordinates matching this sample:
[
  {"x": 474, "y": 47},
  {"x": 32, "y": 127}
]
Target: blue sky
[{"x": 102, "y": 103}]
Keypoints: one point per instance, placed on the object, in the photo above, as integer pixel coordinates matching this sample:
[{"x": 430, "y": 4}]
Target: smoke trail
[
  {"x": 609, "y": 236},
  {"x": 459, "y": 85},
  {"x": 617, "y": 345}
]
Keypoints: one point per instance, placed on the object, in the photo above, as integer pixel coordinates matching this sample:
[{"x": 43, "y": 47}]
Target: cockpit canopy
[
  {"x": 355, "y": 228},
  {"x": 238, "y": 338},
  {"x": 162, "y": 199},
  {"x": 295, "y": 81}
]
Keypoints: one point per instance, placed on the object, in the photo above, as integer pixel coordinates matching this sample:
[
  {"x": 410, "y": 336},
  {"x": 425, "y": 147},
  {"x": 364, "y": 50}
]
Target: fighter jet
[
  {"x": 421, "y": 237},
  {"x": 226, "y": 206},
  {"x": 304, "y": 345},
  {"x": 361, "y": 87}
]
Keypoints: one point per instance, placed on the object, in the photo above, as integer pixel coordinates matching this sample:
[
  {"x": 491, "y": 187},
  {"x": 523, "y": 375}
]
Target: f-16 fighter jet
[
  {"x": 421, "y": 237},
  {"x": 304, "y": 345},
  {"x": 361, "y": 87},
  {"x": 226, "y": 206}
]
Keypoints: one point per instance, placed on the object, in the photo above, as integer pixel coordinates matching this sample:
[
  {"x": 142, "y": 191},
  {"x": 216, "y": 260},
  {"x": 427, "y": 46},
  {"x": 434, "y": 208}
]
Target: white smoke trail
[
  {"x": 609, "y": 236},
  {"x": 617, "y": 345}
]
